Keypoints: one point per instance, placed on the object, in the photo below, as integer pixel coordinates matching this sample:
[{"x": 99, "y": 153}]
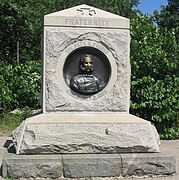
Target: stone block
[
  {"x": 85, "y": 133},
  {"x": 66, "y": 34},
  {"x": 86, "y": 165},
  {"x": 91, "y": 165},
  {"x": 36, "y": 166},
  {"x": 145, "y": 164}
]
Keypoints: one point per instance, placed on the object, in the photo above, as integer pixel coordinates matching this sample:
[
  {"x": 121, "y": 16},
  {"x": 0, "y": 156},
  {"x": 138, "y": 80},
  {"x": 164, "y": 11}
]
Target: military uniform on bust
[{"x": 85, "y": 82}]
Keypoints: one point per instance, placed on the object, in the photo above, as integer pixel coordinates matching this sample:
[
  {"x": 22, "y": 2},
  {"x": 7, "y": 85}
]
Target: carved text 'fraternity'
[{"x": 86, "y": 22}]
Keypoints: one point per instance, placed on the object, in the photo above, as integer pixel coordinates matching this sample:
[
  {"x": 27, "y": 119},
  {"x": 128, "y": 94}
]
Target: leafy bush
[
  {"x": 155, "y": 81},
  {"x": 19, "y": 86},
  {"x": 22, "y": 23},
  {"x": 170, "y": 133}
]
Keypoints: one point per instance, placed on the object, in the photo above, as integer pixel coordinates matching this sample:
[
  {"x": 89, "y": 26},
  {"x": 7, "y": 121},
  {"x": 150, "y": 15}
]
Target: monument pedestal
[
  {"x": 69, "y": 166},
  {"x": 81, "y": 133},
  {"x": 83, "y": 145}
]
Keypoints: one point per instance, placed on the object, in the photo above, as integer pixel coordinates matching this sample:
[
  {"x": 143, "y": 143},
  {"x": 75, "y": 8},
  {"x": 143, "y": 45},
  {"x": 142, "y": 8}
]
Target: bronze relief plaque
[{"x": 86, "y": 71}]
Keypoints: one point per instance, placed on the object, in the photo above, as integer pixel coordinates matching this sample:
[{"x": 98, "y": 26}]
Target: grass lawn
[{"x": 9, "y": 121}]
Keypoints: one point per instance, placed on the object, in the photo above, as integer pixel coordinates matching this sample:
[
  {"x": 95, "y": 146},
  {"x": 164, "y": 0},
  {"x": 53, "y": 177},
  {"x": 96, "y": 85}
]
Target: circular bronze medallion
[{"x": 87, "y": 70}]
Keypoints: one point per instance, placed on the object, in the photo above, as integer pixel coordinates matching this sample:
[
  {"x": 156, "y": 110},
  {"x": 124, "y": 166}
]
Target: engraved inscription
[
  {"x": 87, "y": 22},
  {"x": 87, "y": 43}
]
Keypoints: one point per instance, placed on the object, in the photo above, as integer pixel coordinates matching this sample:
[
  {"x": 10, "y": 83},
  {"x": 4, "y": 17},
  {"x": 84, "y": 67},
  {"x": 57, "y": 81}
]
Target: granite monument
[
  {"x": 86, "y": 89},
  {"x": 85, "y": 124}
]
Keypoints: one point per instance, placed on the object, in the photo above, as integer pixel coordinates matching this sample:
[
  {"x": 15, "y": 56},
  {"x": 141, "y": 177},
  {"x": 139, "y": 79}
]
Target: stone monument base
[
  {"x": 84, "y": 145},
  {"x": 87, "y": 165},
  {"x": 85, "y": 133}
]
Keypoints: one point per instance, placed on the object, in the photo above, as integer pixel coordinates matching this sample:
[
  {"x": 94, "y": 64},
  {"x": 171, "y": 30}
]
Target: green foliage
[
  {"x": 13, "y": 120},
  {"x": 8, "y": 30},
  {"x": 22, "y": 23},
  {"x": 155, "y": 81},
  {"x": 169, "y": 16},
  {"x": 154, "y": 57},
  {"x": 9, "y": 121},
  {"x": 19, "y": 85},
  {"x": 170, "y": 133}
]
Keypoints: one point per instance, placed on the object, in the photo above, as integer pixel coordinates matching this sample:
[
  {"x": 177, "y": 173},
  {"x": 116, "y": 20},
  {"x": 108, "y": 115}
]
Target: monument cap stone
[{"x": 86, "y": 16}]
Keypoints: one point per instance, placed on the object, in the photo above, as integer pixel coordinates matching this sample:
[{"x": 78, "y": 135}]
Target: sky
[{"x": 148, "y": 6}]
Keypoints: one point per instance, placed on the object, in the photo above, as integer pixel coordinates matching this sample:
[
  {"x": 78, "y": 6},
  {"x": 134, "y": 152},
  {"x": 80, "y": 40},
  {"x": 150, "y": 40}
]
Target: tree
[
  {"x": 155, "y": 80},
  {"x": 22, "y": 23},
  {"x": 8, "y": 31},
  {"x": 169, "y": 16}
]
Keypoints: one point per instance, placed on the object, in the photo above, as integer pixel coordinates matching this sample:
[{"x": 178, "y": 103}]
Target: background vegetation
[{"x": 154, "y": 59}]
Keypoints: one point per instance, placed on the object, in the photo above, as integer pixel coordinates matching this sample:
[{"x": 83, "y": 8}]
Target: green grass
[{"x": 9, "y": 121}]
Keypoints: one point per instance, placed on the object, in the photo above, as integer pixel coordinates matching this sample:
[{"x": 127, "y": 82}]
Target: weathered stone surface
[
  {"x": 92, "y": 165},
  {"x": 58, "y": 97},
  {"x": 86, "y": 16},
  {"x": 59, "y": 42},
  {"x": 85, "y": 133},
  {"x": 43, "y": 166},
  {"x": 143, "y": 164},
  {"x": 86, "y": 165}
]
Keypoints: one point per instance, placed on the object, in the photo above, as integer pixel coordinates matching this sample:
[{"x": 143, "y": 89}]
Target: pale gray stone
[
  {"x": 32, "y": 166},
  {"x": 145, "y": 164},
  {"x": 86, "y": 165},
  {"x": 66, "y": 36},
  {"x": 85, "y": 133},
  {"x": 91, "y": 165},
  {"x": 115, "y": 41},
  {"x": 80, "y": 16}
]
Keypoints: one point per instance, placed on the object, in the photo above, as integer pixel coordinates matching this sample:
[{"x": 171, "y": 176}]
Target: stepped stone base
[
  {"x": 80, "y": 133},
  {"x": 87, "y": 165}
]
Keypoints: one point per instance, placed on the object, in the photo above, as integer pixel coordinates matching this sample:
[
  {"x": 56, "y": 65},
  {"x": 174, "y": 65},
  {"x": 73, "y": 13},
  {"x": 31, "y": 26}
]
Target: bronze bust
[{"x": 85, "y": 82}]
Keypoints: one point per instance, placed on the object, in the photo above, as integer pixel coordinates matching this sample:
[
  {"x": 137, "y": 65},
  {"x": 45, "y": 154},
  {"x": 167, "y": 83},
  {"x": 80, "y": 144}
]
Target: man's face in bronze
[{"x": 88, "y": 64}]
